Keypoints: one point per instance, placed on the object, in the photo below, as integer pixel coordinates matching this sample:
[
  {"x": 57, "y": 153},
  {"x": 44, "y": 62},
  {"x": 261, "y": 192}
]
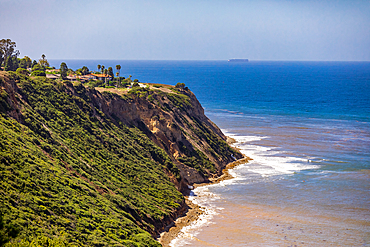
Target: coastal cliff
[
  {"x": 91, "y": 166},
  {"x": 174, "y": 120}
]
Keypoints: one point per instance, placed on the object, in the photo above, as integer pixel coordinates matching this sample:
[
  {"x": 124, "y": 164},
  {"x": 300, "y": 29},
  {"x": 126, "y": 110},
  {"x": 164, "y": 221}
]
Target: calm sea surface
[{"x": 306, "y": 125}]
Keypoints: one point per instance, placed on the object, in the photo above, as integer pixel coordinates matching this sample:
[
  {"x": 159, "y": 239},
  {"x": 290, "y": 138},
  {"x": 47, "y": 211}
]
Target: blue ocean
[{"x": 306, "y": 125}]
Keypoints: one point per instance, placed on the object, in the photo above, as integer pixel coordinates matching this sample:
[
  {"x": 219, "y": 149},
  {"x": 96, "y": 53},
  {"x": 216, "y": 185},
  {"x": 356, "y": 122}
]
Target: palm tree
[
  {"x": 105, "y": 73},
  {"x": 99, "y": 66},
  {"x": 102, "y": 71},
  {"x": 117, "y": 75},
  {"x": 110, "y": 72},
  {"x": 43, "y": 62},
  {"x": 118, "y": 67}
]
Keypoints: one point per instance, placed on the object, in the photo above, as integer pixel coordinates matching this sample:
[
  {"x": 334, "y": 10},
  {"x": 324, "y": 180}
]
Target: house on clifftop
[{"x": 101, "y": 77}]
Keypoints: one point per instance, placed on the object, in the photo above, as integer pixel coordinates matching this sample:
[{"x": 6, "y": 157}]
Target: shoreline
[{"x": 195, "y": 211}]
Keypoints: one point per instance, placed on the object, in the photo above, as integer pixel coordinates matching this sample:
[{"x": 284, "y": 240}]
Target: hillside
[{"x": 81, "y": 166}]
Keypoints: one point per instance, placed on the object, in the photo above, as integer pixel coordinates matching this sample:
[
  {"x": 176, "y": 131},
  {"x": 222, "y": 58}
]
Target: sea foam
[
  {"x": 267, "y": 161},
  {"x": 203, "y": 198}
]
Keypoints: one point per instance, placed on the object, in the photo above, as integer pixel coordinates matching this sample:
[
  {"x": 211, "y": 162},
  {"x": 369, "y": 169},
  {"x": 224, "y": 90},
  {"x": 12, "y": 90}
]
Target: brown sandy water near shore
[
  {"x": 261, "y": 225},
  {"x": 194, "y": 210},
  {"x": 256, "y": 223}
]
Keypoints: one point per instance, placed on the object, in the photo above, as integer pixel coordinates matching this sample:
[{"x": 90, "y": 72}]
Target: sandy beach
[{"x": 194, "y": 210}]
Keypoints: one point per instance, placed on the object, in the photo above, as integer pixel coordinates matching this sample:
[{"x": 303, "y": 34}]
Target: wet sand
[{"x": 194, "y": 211}]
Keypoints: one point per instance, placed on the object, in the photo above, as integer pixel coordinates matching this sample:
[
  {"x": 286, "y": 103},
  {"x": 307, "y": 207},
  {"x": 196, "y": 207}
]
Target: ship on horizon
[{"x": 238, "y": 60}]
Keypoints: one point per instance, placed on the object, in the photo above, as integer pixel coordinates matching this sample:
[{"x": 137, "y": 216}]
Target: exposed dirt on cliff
[
  {"x": 175, "y": 121},
  {"x": 172, "y": 118}
]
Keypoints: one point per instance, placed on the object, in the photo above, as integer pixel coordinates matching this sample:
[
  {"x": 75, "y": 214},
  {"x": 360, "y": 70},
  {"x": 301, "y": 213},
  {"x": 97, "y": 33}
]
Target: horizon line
[{"x": 249, "y": 60}]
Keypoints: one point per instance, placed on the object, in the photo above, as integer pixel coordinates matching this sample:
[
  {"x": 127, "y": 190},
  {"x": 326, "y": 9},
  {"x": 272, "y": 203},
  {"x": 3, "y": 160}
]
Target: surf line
[{"x": 195, "y": 211}]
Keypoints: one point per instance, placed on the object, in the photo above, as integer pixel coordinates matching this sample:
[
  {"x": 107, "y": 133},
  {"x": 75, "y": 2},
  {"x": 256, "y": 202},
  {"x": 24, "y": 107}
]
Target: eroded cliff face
[
  {"x": 125, "y": 155},
  {"x": 174, "y": 120}
]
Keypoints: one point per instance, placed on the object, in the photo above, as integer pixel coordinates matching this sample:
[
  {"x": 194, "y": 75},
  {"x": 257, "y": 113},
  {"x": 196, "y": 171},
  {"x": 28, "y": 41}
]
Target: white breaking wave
[
  {"x": 266, "y": 162},
  {"x": 243, "y": 139},
  {"x": 204, "y": 198}
]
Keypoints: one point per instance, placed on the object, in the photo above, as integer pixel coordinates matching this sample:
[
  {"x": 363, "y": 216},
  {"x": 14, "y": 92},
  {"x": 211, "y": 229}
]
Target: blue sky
[{"x": 328, "y": 30}]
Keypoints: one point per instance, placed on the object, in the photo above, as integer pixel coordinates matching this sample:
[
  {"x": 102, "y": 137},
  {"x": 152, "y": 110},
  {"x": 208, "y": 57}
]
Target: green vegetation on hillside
[
  {"x": 89, "y": 159},
  {"x": 70, "y": 175}
]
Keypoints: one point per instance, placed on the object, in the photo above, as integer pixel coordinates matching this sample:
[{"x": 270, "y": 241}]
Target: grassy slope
[{"x": 70, "y": 176}]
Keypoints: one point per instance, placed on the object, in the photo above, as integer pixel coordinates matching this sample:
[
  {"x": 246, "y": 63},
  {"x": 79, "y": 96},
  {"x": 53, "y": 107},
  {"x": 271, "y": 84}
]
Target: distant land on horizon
[{"x": 238, "y": 60}]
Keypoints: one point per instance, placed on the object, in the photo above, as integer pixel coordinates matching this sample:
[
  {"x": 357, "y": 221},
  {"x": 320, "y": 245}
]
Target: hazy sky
[{"x": 189, "y": 29}]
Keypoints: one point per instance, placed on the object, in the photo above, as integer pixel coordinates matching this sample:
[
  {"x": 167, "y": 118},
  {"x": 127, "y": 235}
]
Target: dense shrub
[
  {"x": 38, "y": 73},
  {"x": 22, "y": 71},
  {"x": 180, "y": 85}
]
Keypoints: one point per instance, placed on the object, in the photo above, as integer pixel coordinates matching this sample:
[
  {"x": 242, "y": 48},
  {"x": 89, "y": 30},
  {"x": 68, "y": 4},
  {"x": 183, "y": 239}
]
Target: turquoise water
[{"x": 306, "y": 125}]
